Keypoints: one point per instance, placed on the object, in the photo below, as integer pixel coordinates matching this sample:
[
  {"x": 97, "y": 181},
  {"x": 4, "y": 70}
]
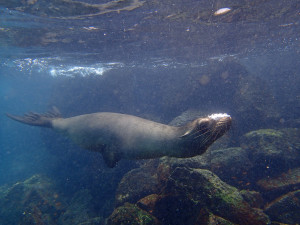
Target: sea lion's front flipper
[
  {"x": 36, "y": 119},
  {"x": 110, "y": 157}
]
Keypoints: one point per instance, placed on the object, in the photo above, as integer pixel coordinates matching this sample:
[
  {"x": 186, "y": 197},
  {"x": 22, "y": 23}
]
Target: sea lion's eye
[{"x": 203, "y": 125}]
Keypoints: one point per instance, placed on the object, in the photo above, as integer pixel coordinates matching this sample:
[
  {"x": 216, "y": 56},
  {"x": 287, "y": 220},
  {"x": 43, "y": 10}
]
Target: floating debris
[{"x": 222, "y": 11}]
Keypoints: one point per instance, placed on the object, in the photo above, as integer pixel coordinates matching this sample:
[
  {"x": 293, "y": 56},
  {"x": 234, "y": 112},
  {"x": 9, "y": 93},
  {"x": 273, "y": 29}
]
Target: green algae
[
  {"x": 132, "y": 215},
  {"x": 231, "y": 196},
  {"x": 265, "y": 132}
]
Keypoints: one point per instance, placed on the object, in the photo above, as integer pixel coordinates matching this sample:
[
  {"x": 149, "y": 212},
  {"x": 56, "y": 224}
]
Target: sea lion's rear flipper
[
  {"x": 36, "y": 119},
  {"x": 110, "y": 157}
]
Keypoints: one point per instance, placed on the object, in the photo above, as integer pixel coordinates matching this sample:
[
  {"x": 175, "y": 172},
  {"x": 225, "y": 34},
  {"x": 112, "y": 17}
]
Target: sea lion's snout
[
  {"x": 223, "y": 121},
  {"x": 219, "y": 116}
]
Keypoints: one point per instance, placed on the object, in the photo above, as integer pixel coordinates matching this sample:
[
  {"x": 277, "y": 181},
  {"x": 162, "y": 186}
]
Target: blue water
[{"x": 155, "y": 60}]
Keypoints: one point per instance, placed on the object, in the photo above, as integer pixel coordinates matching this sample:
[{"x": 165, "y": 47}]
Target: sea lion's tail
[{"x": 36, "y": 119}]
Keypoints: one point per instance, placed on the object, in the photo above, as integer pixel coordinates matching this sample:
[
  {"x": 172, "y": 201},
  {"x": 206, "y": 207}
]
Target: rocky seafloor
[
  {"x": 255, "y": 183},
  {"x": 250, "y": 176}
]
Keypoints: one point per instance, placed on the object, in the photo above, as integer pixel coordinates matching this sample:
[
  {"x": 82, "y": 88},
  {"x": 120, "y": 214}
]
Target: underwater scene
[{"x": 141, "y": 112}]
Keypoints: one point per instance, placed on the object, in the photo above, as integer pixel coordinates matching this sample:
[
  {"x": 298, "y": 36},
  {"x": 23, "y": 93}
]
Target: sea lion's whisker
[
  {"x": 200, "y": 130},
  {"x": 201, "y": 134},
  {"x": 205, "y": 140},
  {"x": 196, "y": 132},
  {"x": 216, "y": 134}
]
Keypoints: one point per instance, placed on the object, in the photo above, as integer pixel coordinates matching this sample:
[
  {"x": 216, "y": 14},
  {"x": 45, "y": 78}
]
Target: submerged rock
[
  {"x": 231, "y": 165},
  {"x": 79, "y": 210},
  {"x": 130, "y": 214},
  {"x": 183, "y": 191},
  {"x": 193, "y": 189},
  {"x": 253, "y": 198},
  {"x": 94, "y": 221},
  {"x": 192, "y": 196},
  {"x": 201, "y": 161},
  {"x": 36, "y": 201},
  {"x": 284, "y": 183},
  {"x": 131, "y": 189},
  {"x": 263, "y": 154},
  {"x": 285, "y": 209},
  {"x": 33, "y": 201},
  {"x": 272, "y": 151}
]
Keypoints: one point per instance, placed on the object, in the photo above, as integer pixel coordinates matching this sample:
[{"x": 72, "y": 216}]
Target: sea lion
[{"x": 120, "y": 136}]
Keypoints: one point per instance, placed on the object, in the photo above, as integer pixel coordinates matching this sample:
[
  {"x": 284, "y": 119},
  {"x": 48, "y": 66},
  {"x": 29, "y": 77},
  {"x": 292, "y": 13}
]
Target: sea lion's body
[
  {"x": 120, "y": 136},
  {"x": 133, "y": 137}
]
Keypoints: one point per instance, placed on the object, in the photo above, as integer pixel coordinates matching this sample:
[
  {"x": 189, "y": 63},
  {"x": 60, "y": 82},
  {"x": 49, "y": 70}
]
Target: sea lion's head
[{"x": 202, "y": 132}]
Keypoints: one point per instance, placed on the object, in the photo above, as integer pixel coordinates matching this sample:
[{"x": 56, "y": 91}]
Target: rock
[
  {"x": 272, "y": 151},
  {"x": 231, "y": 165},
  {"x": 190, "y": 190},
  {"x": 152, "y": 202},
  {"x": 94, "y": 221},
  {"x": 263, "y": 153},
  {"x": 130, "y": 214},
  {"x": 79, "y": 209},
  {"x": 130, "y": 188},
  {"x": 200, "y": 161},
  {"x": 253, "y": 198},
  {"x": 176, "y": 209},
  {"x": 284, "y": 183},
  {"x": 33, "y": 201},
  {"x": 148, "y": 203},
  {"x": 214, "y": 220},
  {"x": 285, "y": 209}
]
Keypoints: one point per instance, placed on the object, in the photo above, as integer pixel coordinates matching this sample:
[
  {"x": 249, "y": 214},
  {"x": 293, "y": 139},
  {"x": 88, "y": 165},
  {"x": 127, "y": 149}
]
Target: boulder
[
  {"x": 33, "y": 201},
  {"x": 285, "y": 209},
  {"x": 130, "y": 214},
  {"x": 79, "y": 210},
  {"x": 190, "y": 190},
  {"x": 94, "y": 221},
  {"x": 279, "y": 185},
  {"x": 131, "y": 189},
  {"x": 231, "y": 165},
  {"x": 253, "y": 198},
  {"x": 272, "y": 151}
]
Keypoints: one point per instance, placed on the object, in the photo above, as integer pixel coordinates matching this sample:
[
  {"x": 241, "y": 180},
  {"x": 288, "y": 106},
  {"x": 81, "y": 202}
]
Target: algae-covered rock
[
  {"x": 78, "y": 210},
  {"x": 253, "y": 198},
  {"x": 153, "y": 203},
  {"x": 215, "y": 220},
  {"x": 272, "y": 151},
  {"x": 137, "y": 184},
  {"x": 148, "y": 203},
  {"x": 231, "y": 165},
  {"x": 200, "y": 161},
  {"x": 189, "y": 190},
  {"x": 94, "y": 221},
  {"x": 130, "y": 214},
  {"x": 36, "y": 201},
  {"x": 285, "y": 209},
  {"x": 190, "y": 196},
  {"x": 176, "y": 194},
  {"x": 33, "y": 201},
  {"x": 273, "y": 187}
]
